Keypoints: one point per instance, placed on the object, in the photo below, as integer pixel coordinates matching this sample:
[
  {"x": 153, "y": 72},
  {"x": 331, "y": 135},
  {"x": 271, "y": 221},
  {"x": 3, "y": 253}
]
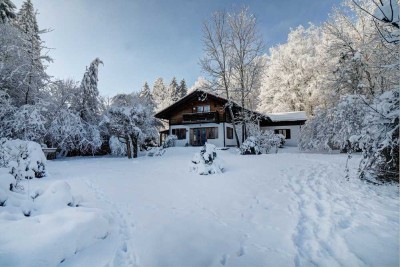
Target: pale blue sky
[{"x": 140, "y": 40}]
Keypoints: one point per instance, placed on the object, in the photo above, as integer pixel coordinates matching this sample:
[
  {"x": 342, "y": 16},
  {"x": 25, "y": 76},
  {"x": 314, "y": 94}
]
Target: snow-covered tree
[
  {"x": 200, "y": 84},
  {"x": 147, "y": 97},
  {"x": 386, "y": 17},
  {"x": 7, "y": 111},
  {"x": 379, "y": 139},
  {"x": 182, "y": 89},
  {"x": 28, "y": 123},
  {"x": 332, "y": 128},
  {"x": 173, "y": 90},
  {"x": 7, "y": 11},
  {"x": 290, "y": 77},
  {"x": 14, "y": 63},
  {"x": 160, "y": 95},
  {"x": 89, "y": 109},
  {"x": 145, "y": 93},
  {"x": 69, "y": 133},
  {"x": 131, "y": 121},
  {"x": 33, "y": 45}
]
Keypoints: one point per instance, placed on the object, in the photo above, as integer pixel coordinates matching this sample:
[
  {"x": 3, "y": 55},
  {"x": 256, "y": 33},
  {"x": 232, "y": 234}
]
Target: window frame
[
  {"x": 285, "y": 132},
  {"x": 229, "y": 133},
  {"x": 180, "y": 133},
  {"x": 212, "y": 129}
]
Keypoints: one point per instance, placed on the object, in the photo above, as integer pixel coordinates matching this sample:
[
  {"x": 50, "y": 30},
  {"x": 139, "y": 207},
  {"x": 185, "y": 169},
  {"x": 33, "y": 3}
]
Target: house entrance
[{"x": 198, "y": 136}]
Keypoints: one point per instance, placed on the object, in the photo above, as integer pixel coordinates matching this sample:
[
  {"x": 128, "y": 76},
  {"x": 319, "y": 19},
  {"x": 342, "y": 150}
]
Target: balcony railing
[{"x": 200, "y": 117}]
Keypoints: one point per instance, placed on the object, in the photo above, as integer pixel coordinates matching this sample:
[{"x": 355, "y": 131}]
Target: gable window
[
  {"x": 180, "y": 133},
  {"x": 212, "y": 133},
  {"x": 229, "y": 132},
  {"x": 201, "y": 109},
  {"x": 284, "y": 132}
]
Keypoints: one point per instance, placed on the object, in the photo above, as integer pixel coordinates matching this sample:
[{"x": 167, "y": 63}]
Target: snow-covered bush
[
  {"x": 206, "y": 162},
  {"x": 156, "y": 151},
  {"x": 25, "y": 159},
  {"x": 282, "y": 139},
  {"x": 332, "y": 128},
  {"x": 117, "y": 147},
  {"x": 250, "y": 146},
  {"x": 169, "y": 141},
  {"x": 261, "y": 142},
  {"x": 379, "y": 139}
]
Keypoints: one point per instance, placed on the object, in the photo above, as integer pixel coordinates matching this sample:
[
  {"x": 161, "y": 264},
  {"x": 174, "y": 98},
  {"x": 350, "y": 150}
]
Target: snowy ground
[{"x": 285, "y": 209}]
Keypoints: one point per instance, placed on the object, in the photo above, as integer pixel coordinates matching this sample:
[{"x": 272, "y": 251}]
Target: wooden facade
[{"x": 197, "y": 107}]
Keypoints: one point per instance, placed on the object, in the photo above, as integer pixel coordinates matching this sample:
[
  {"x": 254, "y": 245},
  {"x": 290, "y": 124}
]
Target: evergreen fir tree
[
  {"x": 145, "y": 92},
  {"x": 182, "y": 89},
  {"x": 7, "y": 13},
  {"x": 159, "y": 94},
  {"x": 90, "y": 102},
  {"x": 33, "y": 45},
  {"x": 146, "y": 96},
  {"x": 173, "y": 90}
]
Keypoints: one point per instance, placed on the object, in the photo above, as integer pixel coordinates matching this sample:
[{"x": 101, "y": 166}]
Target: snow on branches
[{"x": 206, "y": 162}]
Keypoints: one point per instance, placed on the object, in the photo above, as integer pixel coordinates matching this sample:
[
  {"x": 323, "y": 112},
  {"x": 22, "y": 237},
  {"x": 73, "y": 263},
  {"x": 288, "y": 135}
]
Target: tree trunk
[
  {"x": 135, "y": 146},
  {"x": 233, "y": 125},
  {"x": 128, "y": 147}
]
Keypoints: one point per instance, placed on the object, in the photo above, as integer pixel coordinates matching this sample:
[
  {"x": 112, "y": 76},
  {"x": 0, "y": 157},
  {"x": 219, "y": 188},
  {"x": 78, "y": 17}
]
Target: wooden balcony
[{"x": 200, "y": 117}]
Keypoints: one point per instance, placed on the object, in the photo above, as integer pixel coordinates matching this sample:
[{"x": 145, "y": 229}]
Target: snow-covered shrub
[
  {"x": 206, "y": 162},
  {"x": 261, "y": 142},
  {"x": 250, "y": 146},
  {"x": 379, "y": 139},
  {"x": 332, "y": 128},
  {"x": 25, "y": 159},
  {"x": 69, "y": 133},
  {"x": 29, "y": 123},
  {"x": 156, "y": 151},
  {"x": 169, "y": 141},
  {"x": 282, "y": 139},
  {"x": 117, "y": 147}
]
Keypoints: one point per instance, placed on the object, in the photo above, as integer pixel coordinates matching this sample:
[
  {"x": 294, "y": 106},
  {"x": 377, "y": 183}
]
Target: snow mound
[
  {"x": 25, "y": 159},
  {"x": 206, "y": 162},
  {"x": 46, "y": 226}
]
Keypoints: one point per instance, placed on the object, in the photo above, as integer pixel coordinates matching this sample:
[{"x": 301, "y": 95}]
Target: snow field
[{"x": 285, "y": 209}]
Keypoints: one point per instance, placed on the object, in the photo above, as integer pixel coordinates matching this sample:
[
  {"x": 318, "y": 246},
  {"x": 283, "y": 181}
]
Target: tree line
[{"x": 69, "y": 115}]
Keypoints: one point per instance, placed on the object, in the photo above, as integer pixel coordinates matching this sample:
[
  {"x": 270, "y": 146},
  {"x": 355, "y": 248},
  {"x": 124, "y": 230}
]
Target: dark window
[
  {"x": 201, "y": 109},
  {"x": 180, "y": 133},
  {"x": 284, "y": 132},
  {"x": 212, "y": 133},
  {"x": 229, "y": 132}
]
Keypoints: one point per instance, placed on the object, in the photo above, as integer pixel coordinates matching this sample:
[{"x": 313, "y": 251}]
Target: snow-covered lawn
[{"x": 285, "y": 209}]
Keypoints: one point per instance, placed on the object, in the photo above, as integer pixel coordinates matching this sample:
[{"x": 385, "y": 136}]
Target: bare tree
[
  {"x": 247, "y": 48},
  {"x": 233, "y": 57},
  {"x": 217, "y": 61}
]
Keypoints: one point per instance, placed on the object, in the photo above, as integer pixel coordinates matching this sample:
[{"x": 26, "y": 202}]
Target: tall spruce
[
  {"x": 182, "y": 89},
  {"x": 160, "y": 95},
  {"x": 173, "y": 90},
  {"x": 90, "y": 94},
  {"x": 33, "y": 45},
  {"x": 7, "y": 11},
  {"x": 146, "y": 96}
]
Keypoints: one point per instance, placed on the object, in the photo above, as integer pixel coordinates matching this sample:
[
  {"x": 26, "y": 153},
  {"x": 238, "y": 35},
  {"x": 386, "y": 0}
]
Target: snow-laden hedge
[
  {"x": 25, "y": 159},
  {"x": 263, "y": 142},
  {"x": 206, "y": 162}
]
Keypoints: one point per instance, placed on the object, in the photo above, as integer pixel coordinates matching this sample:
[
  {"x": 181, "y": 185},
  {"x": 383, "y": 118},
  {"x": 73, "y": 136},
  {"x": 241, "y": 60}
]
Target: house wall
[
  {"x": 176, "y": 119},
  {"x": 219, "y": 142},
  {"x": 294, "y": 132}
]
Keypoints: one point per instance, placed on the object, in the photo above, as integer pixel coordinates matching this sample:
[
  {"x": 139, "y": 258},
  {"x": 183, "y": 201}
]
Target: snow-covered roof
[{"x": 288, "y": 116}]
